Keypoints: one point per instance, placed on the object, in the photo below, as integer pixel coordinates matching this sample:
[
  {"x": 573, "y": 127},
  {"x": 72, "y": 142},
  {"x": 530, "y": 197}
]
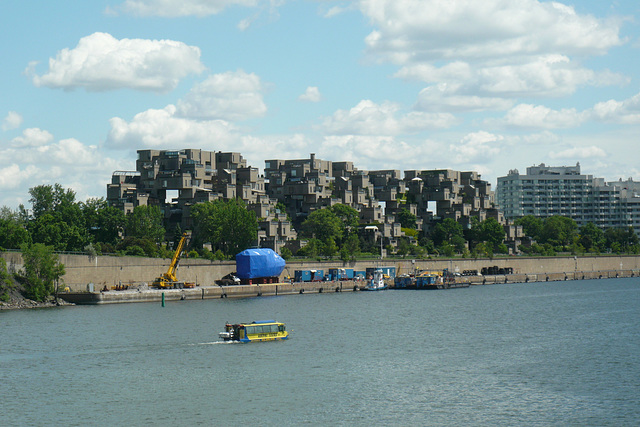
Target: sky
[{"x": 469, "y": 85}]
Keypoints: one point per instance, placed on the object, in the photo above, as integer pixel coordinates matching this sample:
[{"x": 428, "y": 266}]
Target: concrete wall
[{"x": 110, "y": 270}]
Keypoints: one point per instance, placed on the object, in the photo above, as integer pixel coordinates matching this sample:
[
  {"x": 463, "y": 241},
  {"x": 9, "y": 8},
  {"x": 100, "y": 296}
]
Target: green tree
[
  {"x": 620, "y": 240},
  {"x": 56, "y": 218},
  {"x": 407, "y": 219},
  {"x": 227, "y": 225},
  {"x": 105, "y": 223},
  {"x": 138, "y": 246},
  {"x": 323, "y": 224},
  {"x": 286, "y": 254},
  {"x": 591, "y": 238},
  {"x": 5, "y": 281},
  {"x": 482, "y": 249},
  {"x": 145, "y": 222},
  {"x": 350, "y": 248},
  {"x": 42, "y": 271},
  {"x": 330, "y": 248},
  {"x": 492, "y": 233},
  {"x": 312, "y": 249},
  {"x": 559, "y": 231},
  {"x": 13, "y": 232},
  {"x": 531, "y": 226},
  {"x": 50, "y": 198},
  {"x": 446, "y": 231},
  {"x": 349, "y": 217},
  {"x": 403, "y": 246}
]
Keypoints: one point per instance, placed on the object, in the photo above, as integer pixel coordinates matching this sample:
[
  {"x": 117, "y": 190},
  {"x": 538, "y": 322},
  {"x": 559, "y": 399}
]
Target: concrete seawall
[
  {"x": 209, "y": 292},
  {"x": 255, "y": 291},
  {"x": 84, "y": 273},
  {"x": 110, "y": 271}
]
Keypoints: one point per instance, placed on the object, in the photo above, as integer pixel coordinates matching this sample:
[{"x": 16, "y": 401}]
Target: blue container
[
  {"x": 340, "y": 274},
  {"x": 302, "y": 276}
]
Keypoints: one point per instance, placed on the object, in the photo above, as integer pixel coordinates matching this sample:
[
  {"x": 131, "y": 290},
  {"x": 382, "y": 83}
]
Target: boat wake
[{"x": 217, "y": 342}]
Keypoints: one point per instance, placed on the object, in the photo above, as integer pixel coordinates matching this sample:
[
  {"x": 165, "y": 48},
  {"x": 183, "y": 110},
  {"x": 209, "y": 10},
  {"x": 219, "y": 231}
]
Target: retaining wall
[
  {"x": 208, "y": 292},
  {"x": 110, "y": 271}
]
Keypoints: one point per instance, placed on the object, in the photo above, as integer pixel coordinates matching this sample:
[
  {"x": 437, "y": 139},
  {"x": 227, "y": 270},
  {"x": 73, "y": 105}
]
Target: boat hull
[{"x": 266, "y": 330}]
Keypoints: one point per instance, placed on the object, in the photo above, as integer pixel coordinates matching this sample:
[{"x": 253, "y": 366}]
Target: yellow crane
[{"x": 169, "y": 279}]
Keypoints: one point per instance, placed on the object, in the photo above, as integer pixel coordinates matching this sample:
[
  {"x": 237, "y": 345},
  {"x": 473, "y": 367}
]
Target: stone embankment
[
  {"x": 144, "y": 294},
  {"x": 86, "y": 275},
  {"x": 547, "y": 277}
]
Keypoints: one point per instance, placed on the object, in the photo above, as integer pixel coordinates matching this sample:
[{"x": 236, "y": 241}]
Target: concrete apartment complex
[
  {"x": 175, "y": 180},
  {"x": 304, "y": 185},
  {"x": 546, "y": 191}
]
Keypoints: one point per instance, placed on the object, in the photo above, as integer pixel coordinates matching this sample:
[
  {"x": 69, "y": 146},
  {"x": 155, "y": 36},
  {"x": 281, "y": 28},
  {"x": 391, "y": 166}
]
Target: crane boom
[{"x": 169, "y": 279}]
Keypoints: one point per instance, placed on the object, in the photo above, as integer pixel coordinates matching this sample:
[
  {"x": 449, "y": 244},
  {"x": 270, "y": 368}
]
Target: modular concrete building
[{"x": 175, "y": 180}]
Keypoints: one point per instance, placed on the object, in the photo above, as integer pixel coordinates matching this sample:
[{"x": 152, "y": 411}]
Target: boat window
[{"x": 281, "y": 328}]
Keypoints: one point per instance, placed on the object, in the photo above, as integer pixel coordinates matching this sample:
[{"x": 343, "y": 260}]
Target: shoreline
[{"x": 299, "y": 288}]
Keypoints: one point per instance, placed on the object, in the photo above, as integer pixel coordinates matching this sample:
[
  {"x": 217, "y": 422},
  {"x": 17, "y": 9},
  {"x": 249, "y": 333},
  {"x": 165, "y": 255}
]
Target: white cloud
[
  {"x": 32, "y": 137},
  {"x": 376, "y": 152},
  {"x": 229, "y": 96},
  {"x": 538, "y": 116},
  {"x": 12, "y": 120},
  {"x": 13, "y": 176},
  {"x": 202, "y": 118},
  {"x": 491, "y": 48},
  {"x": 411, "y": 31},
  {"x": 443, "y": 97},
  {"x": 477, "y": 146},
  {"x": 551, "y": 75},
  {"x": 369, "y": 118},
  {"x": 579, "y": 153},
  {"x": 100, "y": 62},
  {"x": 71, "y": 152},
  {"x": 312, "y": 94},
  {"x": 40, "y": 159},
  {"x": 175, "y": 8},
  {"x": 541, "y": 117},
  {"x": 257, "y": 149},
  {"x": 163, "y": 129},
  {"x": 623, "y": 112}
]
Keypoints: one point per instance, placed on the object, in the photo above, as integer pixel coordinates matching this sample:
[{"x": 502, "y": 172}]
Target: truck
[{"x": 169, "y": 280}]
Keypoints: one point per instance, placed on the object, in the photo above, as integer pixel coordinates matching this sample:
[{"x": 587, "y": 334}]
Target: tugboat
[
  {"x": 377, "y": 282},
  {"x": 262, "y": 330}
]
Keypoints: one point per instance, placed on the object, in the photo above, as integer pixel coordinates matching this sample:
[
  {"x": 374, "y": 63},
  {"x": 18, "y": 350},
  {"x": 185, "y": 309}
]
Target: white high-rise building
[{"x": 548, "y": 190}]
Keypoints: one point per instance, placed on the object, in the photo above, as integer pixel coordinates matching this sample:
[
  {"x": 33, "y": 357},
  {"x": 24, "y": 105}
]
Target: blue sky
[{"x": 388, "y": 84}]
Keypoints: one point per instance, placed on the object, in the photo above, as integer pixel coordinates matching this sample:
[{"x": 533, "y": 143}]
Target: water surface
[{"x": 559, "y": 353}]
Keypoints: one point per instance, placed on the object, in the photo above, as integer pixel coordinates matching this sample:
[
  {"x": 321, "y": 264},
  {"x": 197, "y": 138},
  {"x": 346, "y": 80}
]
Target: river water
[{"x": 558, "y": 353}]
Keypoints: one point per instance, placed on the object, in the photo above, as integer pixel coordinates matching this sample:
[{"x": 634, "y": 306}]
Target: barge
[{"x": 429, "y": 280}]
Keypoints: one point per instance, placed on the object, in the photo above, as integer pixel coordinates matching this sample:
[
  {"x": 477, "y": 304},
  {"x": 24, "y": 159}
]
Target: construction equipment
[{"x": 169, "y": 279}]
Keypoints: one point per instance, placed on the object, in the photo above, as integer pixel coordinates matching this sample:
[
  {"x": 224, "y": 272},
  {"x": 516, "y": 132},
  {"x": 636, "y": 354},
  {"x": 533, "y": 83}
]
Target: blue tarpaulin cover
[{"x": 253, "y": 263}]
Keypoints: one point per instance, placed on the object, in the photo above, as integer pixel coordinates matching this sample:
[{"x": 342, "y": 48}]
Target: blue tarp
[{"x": 253, "y": 263}]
